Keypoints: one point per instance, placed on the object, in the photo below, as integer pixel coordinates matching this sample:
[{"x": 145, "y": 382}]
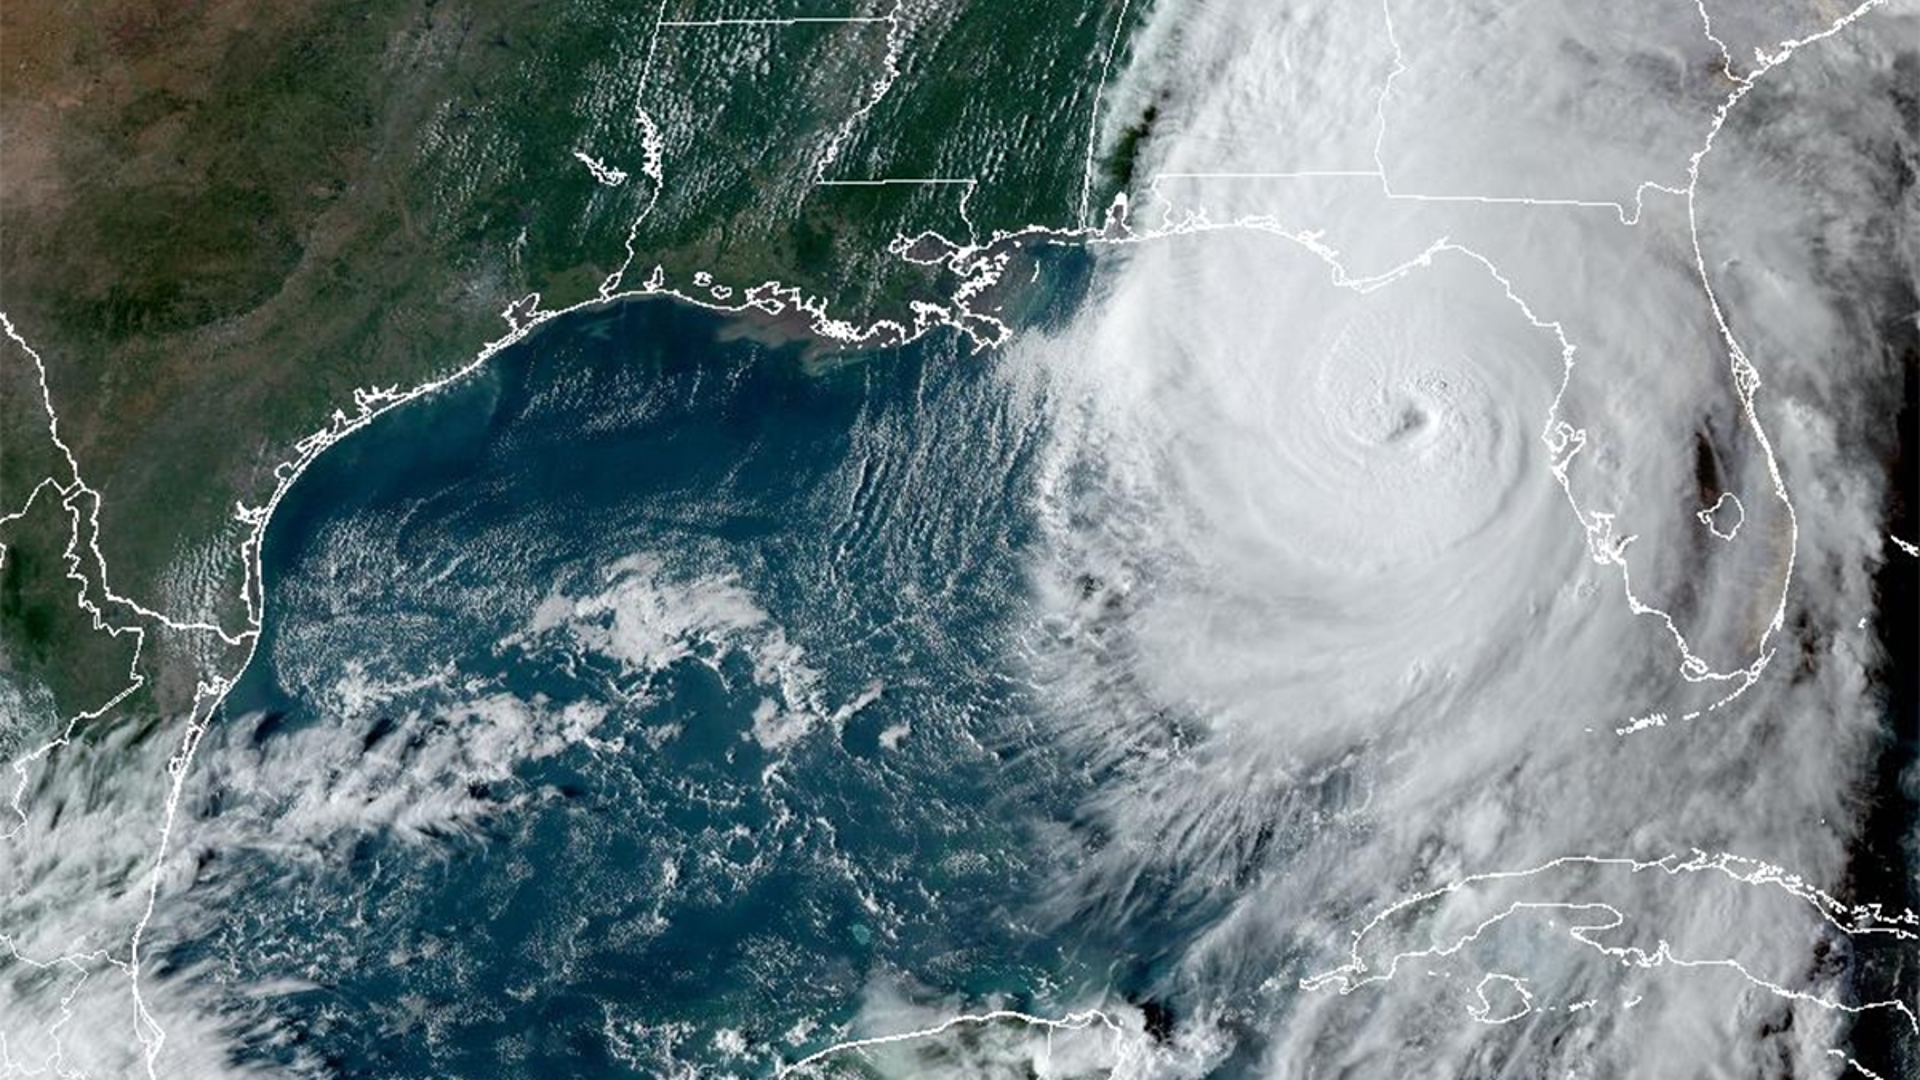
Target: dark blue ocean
[{"x": 647, "y": 704}]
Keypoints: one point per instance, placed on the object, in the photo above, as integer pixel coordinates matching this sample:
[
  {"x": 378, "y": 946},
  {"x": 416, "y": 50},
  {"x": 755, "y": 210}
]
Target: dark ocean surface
[{"x": 644, "y": 705}]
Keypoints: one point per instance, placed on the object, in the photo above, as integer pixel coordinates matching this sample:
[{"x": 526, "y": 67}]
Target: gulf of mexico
[{"x": 644, "y": 703}]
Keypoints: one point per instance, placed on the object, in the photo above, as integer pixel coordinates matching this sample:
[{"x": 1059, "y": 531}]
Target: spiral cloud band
[{"x": 1455, "y": 483}]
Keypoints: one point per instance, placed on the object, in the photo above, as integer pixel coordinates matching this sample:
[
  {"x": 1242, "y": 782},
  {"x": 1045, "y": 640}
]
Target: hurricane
[{"x": 1407, "y": 598}]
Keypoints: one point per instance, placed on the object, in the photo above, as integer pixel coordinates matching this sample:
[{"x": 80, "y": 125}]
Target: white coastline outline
[
  {"x": 973, "y": 262},
  {"x": 1357, "y": 974}
]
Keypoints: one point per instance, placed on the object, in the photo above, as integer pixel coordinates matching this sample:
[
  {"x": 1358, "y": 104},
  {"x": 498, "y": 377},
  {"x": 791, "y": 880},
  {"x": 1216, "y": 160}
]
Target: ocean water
[
  {"x": 648, "y": 704},
  {"x": 657, "y": 703}
]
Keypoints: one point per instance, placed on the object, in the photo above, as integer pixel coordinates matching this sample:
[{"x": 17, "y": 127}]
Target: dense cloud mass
[
  {"x": 1453, "y": 599},
  {"x": 1421, "y": 513}
]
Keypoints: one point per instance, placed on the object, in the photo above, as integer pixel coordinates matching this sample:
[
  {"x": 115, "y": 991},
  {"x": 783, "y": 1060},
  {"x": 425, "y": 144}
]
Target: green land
[{"x": 218, "y": 220}]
